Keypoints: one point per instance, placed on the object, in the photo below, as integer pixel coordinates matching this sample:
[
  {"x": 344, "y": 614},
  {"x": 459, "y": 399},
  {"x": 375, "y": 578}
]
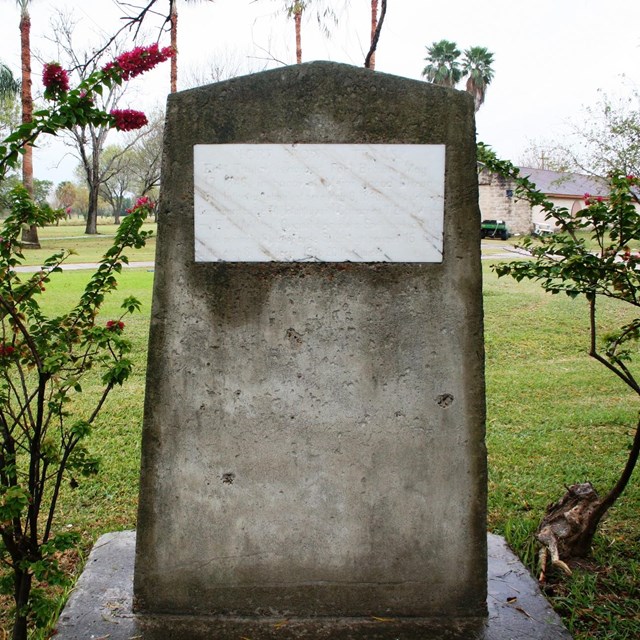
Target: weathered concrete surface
[
  {"x": 100, "y": 607},
  {"x": 314, "y": 433}
]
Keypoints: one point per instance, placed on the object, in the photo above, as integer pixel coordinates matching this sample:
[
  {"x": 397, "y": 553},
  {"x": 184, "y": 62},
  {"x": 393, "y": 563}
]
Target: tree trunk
[
  {"x": 567, "y": 530},
  {"x": 374, "y": 26},
  {"x": 174, "y": 47},
  {"x": 297, "y": 19},
  {"x": 21, "y": 597},
  {"x": 30, "y": 235},
  {"x": 92, "y": 211},
  {"x": 93, "y": 182}
]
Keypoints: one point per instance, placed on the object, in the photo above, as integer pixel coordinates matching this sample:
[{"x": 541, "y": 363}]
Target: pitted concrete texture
[{"x": 100, "y": 609}]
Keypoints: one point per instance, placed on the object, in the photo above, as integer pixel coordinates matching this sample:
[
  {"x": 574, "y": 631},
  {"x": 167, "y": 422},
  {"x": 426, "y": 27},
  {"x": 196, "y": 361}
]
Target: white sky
[{"x": 551, "y": 56}]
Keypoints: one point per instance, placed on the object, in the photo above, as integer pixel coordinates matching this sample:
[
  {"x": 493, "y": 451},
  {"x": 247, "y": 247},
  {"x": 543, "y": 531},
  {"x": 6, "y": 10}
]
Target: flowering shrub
[
  {"x": 589, "y": 258},
  {"x": 44, "y": 360},
  {"x": 77, "y": 107}
]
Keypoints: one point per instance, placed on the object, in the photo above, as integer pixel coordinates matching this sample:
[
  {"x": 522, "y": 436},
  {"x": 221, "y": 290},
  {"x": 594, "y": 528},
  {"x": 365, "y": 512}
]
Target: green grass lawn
[
  {"x": 554, "y": 418},
  {"x": 87, "y": 248}
]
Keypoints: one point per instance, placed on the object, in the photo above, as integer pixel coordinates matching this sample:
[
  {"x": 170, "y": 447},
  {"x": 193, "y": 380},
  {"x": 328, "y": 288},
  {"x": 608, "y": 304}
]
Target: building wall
[
  {"x": 573, "y": 204},
  {"x": 497, "y": 202}
]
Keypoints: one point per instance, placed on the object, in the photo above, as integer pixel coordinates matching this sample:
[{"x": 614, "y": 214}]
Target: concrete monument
[{"x": 314, "y": 423}]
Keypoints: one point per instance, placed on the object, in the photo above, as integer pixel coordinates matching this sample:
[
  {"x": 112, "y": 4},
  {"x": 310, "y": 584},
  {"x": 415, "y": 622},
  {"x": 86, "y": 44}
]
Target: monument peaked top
[
  {"x": 336, "y": 71},
  {"x": 322, "y": 102}
]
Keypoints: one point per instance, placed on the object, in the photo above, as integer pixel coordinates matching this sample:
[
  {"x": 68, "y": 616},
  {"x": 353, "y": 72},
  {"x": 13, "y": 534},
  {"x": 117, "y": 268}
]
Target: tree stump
[{"x": 567, "y": 529}]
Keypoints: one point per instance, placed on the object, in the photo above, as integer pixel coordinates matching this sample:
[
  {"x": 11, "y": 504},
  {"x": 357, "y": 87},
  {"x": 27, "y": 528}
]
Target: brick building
[{"x": 498, "y": 200}]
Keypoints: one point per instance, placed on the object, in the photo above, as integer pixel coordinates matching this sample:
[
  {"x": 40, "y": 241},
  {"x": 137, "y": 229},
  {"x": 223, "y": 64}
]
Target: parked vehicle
[
  {"x": 542, "y": 229},
  {"x": 494, "y": 229}
]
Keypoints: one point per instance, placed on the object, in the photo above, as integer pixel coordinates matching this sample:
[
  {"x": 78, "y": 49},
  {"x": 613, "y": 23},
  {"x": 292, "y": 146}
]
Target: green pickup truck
[{"x": 494, "y": 229}]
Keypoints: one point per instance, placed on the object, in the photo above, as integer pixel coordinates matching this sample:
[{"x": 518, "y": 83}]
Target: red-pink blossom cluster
[
  {"x": 143, "y": 201},
  {"x": 589, "y": 199},
  {"x": 128, "y": 119},
  {"x": 55, "y": 80},
  {"x": 629, "y": 256},
  {"x": 115, "y": 325},
  {"x": 132, "y": 63},
  {"x": 6, "y": 350}
]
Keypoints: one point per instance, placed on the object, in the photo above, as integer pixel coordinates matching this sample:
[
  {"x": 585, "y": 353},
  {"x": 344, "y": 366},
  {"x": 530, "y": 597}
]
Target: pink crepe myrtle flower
[
  {"x": 55, "y": 79},
  {"x": 132, "y": 63},
  {"x": 128, "y": 119}
]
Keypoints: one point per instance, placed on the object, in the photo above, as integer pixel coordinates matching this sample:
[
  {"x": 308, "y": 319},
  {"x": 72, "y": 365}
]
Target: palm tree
[
  {"x": 295, "y": 9},
  {"x": 30, "y": 235},
  {"x": 173, "y": 19},
  {"x": 9, "y": 92},
  {"x": 476, "y": 66},
  {"x": 443, "y": 68},
  {"x": 9, "y": 86}
]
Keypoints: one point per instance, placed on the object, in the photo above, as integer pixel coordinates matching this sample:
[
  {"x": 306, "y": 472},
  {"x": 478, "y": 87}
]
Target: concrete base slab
[{"x": 100, "y": 608}]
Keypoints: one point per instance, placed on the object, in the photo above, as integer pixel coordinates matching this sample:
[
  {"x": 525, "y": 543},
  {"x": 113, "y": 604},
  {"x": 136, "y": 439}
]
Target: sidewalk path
[
  {"x": 509, "y": 251},
  {"x": 86, "y": 265}
]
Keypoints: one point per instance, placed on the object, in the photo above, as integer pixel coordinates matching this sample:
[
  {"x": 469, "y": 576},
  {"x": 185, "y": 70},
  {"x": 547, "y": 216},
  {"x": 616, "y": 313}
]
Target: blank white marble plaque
[{"x": 318, "y": 202}]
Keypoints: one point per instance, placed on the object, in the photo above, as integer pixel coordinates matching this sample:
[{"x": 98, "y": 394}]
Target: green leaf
[{"x": 13, "y": 501}]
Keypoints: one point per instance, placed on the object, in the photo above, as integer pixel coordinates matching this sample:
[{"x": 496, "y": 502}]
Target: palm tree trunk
[
  {"x": 29, "y": 236},
  {"x": 374, "y": 26},
  {"x": 174, "y": 46},
  {"x": 297, "y": 18}
]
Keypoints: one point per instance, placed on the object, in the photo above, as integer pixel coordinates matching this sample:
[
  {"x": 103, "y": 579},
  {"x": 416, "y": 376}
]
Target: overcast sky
[{"x": 551, "y": 56}]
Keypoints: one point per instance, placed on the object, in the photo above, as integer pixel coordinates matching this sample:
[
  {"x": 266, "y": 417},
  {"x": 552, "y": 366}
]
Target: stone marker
[{"x": 314, "y": 422}]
